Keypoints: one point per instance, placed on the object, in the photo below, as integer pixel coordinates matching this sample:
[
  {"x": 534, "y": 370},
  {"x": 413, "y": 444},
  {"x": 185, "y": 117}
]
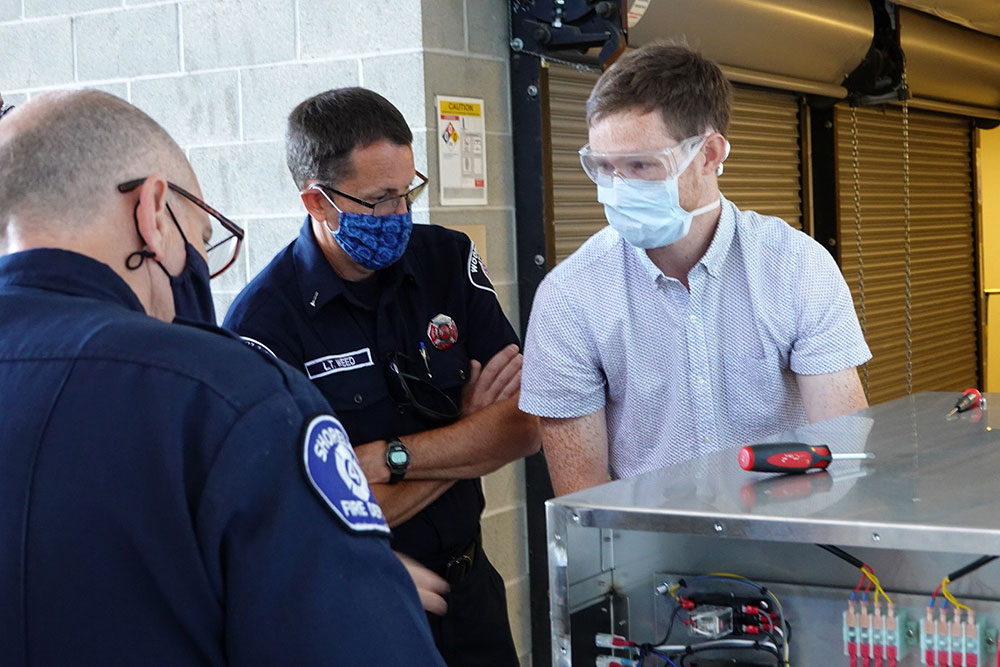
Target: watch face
[{"x": 398, "y": 458}]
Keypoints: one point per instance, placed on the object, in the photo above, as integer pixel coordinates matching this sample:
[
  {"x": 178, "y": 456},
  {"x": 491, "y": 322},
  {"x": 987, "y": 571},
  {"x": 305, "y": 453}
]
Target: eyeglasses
[
  {"x": 420, "y": 393},
  {"x": 224, "y": 246},
  {"x": 4, "y": 110},
  {"x": 386, "y": 206},
  {"x": 602, "y": 167}
]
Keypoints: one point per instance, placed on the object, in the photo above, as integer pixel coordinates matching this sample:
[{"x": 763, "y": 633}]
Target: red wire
[
  {"x": 935, "y": 593},
  {"x": 861, "y": 583}
]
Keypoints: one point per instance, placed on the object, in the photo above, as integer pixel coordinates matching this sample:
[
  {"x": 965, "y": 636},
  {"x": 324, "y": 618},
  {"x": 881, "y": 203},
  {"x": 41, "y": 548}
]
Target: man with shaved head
[{"x": 167, "y": 495}]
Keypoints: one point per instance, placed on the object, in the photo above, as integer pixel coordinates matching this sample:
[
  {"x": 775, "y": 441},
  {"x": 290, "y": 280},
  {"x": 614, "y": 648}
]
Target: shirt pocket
[{"x": 350, "y": 387}]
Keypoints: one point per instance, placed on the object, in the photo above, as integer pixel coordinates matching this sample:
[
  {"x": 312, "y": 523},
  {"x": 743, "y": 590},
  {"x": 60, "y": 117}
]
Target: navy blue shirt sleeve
[
  {"x": 489, "y": 331},
  {"x": 300, "y": 588}
]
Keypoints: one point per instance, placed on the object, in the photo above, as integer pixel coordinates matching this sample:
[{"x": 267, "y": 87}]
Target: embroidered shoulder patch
[
  {"x": 259, "y": 346},
  {"x": 334, "y": 472},
  {"x": 479, "y": 276}
]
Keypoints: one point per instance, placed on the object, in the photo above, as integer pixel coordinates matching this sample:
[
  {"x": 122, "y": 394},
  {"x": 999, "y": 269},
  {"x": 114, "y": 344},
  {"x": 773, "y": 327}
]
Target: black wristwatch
[{"x": 397, "y": 457}]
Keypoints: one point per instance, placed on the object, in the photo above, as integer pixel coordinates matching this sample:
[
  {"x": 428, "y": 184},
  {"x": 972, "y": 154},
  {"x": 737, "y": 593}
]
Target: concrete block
[
  {"x": 469, "y": 77},
  {"x": 14, "y": 99},
  {"x": 235, "y": 277},
  {"x": 444, "y": 24},
  {"x": 10, "y": 10},
  {"x": 222, "y": 301},
  {"x": 500, "y": 169},
  {"x": 400, "y": 79},
  {"x": 270, "y": 93},
  {"x": 266, "y": 238},
  {"x": 508, "y": 298},
  {"x": 506, "y": 542},
  {"x": 42, "y": 54},
  {"x": 116, "y": 89},
  {"x": 487, "y": 21},
  {"x": 194, "y": 108},
  {"x": 504, "y": 488},
  {"x": 132, "y": 42},
  {"x": 226, "y": 33},
  {"x": 519, "y": 612},
  {"x": 53, "y": 7},
  {"x": 500, "y": 238},
  {"x": 246, "y": 179},
  {"x": 389, "y": 25}
]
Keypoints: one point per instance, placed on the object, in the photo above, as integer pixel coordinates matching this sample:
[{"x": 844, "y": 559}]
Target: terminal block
[
  {"x": 873, "y": 634},
  {"x": 956, "y": 638}
]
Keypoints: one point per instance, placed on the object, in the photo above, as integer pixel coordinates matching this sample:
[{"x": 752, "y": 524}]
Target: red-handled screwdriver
[
  {"x": 791, "y": 457},
  {"x": 970, "y": 399}
]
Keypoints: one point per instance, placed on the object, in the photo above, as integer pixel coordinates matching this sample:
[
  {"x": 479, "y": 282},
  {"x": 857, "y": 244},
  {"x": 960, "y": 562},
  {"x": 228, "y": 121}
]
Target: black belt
[{"x": 459, "y": 565}]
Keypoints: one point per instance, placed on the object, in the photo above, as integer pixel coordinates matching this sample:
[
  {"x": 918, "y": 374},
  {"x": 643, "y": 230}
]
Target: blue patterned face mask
[{"x": 373, "y": 241}]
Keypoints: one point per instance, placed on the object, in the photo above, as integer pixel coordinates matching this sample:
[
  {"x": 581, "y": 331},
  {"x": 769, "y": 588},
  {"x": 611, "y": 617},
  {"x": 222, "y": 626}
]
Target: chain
[
  {"x": 907, "y": 276},
  {"x": 856, "y": 165}
]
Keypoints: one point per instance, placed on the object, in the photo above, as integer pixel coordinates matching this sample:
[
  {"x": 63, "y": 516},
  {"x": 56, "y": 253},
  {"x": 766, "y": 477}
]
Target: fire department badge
[{"x": 442, "y": 332}]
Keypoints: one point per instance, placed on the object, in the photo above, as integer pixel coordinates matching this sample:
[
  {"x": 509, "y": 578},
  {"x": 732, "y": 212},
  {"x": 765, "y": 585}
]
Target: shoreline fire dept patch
[{"x": 335, "y": 474}]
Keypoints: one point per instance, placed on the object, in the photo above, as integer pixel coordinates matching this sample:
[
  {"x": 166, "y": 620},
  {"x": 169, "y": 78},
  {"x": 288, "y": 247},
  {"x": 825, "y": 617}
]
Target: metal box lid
[{"x": 932, "y": 486}]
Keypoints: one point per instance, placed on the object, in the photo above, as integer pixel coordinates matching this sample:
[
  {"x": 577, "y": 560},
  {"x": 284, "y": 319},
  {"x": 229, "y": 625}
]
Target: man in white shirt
[{"x": 687, "y": 326}]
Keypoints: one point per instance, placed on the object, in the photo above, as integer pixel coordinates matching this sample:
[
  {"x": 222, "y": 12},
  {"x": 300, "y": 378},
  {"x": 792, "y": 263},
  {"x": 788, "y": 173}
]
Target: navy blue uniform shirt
[
  {"x": 341, "y": 334},
  {"x": 154, "y": 506}
]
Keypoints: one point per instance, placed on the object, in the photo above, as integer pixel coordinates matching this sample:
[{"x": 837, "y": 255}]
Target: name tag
[{"x": 337, "y": 363}]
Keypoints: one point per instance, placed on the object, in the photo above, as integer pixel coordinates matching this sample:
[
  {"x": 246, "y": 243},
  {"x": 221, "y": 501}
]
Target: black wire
[
  {"x": 691, "y": 650},
  {"x": 971, "y": 567},
  {"x": 670, "y": 625},
  {"x": 843, "y": 555}
]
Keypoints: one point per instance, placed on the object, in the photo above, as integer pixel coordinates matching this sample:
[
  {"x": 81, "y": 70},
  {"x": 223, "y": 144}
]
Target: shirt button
[
  {"x": 401, "y": 410},
  {"x": 358, "y": 399},
  {"x": 707, "y": 438},
  {"x": 693, "y": 318},
  {"x": 699, "y": 379},
  {"x": 461, "y": 375}
]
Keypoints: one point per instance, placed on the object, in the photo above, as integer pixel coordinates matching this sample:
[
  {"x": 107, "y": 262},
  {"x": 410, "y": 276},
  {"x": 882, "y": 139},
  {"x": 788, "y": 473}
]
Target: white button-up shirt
[{"x": 682, "y": 373}]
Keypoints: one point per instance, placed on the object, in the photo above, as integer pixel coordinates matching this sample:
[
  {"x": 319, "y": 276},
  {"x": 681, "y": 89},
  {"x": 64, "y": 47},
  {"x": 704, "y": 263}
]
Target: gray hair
[{"x": 68, "y": 150}]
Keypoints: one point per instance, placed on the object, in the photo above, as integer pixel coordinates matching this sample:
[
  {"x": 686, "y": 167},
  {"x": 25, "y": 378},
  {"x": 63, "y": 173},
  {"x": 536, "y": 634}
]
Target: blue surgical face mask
[
  {"x": 191, "y": 287},
  {"x": 648, "y": 214},
  {"x": 373, "y": 241}
]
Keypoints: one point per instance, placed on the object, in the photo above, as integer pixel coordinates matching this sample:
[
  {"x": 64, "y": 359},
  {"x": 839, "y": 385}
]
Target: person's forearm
[
  {"x": 401, "y": 502},
  {"x": 471, "y": 447}
]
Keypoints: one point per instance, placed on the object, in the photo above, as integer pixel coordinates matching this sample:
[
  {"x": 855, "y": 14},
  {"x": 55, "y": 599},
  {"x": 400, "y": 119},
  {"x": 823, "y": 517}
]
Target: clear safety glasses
[{"x": 603, "y": 167}]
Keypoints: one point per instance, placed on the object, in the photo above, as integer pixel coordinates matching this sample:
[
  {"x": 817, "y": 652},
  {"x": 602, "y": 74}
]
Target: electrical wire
[
  {"x": 763, "y": 590},
  {"x": 866, "y": 570},
  {"x": 960, "y": 572}
]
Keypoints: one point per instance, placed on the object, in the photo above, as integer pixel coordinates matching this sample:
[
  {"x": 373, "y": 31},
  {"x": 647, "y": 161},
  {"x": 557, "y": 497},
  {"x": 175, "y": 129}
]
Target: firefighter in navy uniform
[
  {"x": 399, "y": 327},
  {"x": 167, "y": 496}
]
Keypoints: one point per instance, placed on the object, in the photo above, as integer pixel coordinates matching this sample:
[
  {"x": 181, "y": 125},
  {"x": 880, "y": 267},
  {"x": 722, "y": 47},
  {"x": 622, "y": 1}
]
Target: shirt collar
[
  {"x": 714, "y": 257},
  {"x": 67, "y": 272},
  {"x": 319, "y": 283}
]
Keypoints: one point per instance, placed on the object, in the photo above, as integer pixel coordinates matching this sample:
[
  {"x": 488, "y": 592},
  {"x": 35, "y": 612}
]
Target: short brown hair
[{"x": 688, "y": 89}]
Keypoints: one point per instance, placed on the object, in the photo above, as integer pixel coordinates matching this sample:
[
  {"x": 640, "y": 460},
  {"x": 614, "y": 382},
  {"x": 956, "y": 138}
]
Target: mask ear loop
[
  {"x": 137, "y": 258},
  {"x": 718, "y": 170},
  {"x": 326, "y": 222}
]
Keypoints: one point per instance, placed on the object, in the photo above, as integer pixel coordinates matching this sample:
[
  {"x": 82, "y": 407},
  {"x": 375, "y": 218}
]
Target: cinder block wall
[{"x": 222, "y": 75}]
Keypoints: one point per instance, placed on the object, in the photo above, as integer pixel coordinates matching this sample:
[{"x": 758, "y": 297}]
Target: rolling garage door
[{"x": 942, "y": 302}]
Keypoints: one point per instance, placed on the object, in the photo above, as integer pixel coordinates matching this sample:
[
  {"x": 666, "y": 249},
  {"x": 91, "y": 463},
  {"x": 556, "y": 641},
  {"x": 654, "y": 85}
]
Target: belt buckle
[{"x": 457, "y": 568}]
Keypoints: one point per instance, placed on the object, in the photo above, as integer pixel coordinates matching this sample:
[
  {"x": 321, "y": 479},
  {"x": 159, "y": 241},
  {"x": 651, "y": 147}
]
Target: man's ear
[
  {"x": 715, "y": 153},
  {"x": 314, "y": 202},
  {"x": 151, "y": 215}
]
